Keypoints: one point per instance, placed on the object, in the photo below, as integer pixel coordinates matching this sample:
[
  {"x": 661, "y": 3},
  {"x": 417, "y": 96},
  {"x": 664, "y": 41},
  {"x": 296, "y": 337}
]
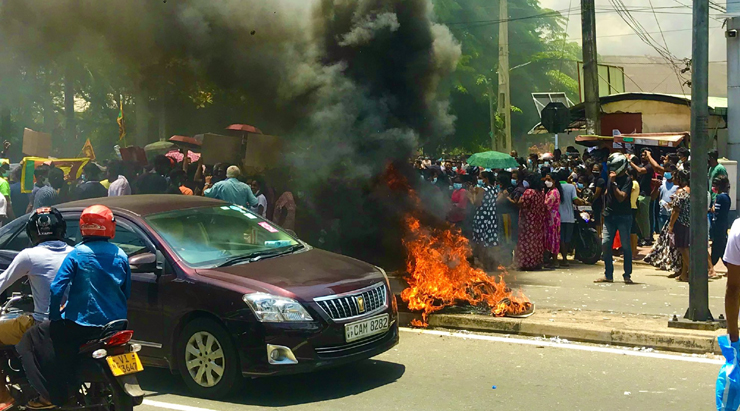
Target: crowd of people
[
  {"x": 526, "y": 216},
  {"x": 163, "y": 176}
]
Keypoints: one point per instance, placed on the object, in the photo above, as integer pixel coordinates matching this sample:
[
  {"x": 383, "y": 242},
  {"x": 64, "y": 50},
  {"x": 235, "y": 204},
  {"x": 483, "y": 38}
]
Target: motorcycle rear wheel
[{"x": 589, "y": 249}]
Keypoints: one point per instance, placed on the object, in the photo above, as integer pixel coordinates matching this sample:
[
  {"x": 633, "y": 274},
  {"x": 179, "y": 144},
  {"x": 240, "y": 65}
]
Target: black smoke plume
[{"x": 352, "y": 85}]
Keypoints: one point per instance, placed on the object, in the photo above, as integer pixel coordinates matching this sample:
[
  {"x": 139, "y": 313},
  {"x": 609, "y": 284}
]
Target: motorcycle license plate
[{"x": 124, "y": 364}]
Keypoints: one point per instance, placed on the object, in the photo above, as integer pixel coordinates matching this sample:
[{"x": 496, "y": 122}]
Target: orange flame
[{"x": 440, "y": 274}]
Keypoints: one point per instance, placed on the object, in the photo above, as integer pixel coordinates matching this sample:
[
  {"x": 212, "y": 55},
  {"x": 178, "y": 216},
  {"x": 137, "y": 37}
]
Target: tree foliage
[{"x": 540, "y": 59}]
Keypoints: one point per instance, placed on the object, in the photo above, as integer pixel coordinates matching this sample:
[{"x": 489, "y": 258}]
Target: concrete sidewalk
[{"x": 570, "y": 306}]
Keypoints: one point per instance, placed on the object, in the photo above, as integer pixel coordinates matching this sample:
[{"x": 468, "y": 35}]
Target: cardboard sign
[
  {"x": 134, "y": 154},
  {"x": 218, "y": 148},
  {"x": 36, "y": 144},
  {"x": 263, "y": 152}
]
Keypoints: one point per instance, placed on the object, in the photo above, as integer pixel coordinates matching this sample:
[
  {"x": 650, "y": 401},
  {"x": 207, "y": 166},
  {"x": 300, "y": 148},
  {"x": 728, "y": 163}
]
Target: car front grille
[{"x": 354, "y": 304}]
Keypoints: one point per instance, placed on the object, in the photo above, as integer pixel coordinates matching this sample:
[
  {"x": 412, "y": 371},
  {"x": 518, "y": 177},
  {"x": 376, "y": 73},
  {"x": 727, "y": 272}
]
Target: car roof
[{"x": 145, "y": 204}]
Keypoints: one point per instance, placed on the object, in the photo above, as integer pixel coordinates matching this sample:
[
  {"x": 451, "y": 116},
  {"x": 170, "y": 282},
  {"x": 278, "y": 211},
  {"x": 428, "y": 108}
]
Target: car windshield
[{"x": 213, "y": 236}]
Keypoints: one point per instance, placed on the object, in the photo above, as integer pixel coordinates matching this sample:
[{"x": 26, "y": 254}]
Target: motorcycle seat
[{"x": 113, "y": 327}]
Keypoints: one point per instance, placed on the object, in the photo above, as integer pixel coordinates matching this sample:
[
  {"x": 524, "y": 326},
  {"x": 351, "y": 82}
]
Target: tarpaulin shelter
[{"x": 626, "y": 141}]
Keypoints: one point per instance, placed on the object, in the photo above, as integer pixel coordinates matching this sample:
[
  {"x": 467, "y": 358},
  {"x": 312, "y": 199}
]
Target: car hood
[{"x": 304, "y": 274}]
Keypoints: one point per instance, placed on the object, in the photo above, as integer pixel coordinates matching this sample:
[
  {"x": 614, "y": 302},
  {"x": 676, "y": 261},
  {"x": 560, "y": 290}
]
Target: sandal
[
  {"x": 39, "y": 404},
  {"x": 603, "y": 280}
]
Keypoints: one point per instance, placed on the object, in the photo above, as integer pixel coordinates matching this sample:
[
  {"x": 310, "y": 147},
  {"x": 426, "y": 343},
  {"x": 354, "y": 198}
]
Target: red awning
[
  {"x": 244, "y": 127},
  {"x": 652, "y": 139}
]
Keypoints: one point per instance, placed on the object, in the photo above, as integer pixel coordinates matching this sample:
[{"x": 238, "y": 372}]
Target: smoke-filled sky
[{"x": 614, "y": 37}]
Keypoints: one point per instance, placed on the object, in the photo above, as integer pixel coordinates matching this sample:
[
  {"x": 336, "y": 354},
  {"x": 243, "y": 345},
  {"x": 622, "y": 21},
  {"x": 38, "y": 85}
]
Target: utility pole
[
  {"x": 504, "y": 98},
  {"x": 733, "y": 84},
  {"x": 590, "y": 67},
  {"x": 698, "y": 267},
  {"x": 492, "y": 110}
]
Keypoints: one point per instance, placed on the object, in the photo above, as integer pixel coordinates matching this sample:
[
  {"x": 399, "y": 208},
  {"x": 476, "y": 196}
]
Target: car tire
[{"x": 204, "y": 350}]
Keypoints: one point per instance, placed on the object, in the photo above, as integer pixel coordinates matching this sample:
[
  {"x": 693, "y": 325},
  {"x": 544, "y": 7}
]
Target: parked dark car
[{"x": 219, "y": 293}]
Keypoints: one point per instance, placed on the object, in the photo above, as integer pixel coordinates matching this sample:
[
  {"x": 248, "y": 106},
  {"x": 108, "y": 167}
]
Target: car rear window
[{"x": 206, "y": 237}]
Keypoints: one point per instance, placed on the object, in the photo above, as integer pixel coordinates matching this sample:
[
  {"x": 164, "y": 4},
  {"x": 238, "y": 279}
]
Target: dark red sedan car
[{"x": 220, "y": 293}]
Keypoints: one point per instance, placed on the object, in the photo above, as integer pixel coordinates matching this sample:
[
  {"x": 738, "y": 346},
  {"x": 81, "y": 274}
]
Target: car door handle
[{"x": 150, "y": 278}]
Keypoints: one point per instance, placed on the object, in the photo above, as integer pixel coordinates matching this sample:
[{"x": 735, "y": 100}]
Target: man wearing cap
[{"x": 617, "y": 217}]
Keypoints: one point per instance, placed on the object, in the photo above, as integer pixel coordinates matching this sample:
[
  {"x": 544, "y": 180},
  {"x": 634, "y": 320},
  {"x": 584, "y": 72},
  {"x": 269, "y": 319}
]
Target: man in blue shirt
[
  {"x": 231, "y": 189},
  {"x": 98, "y": 276}
]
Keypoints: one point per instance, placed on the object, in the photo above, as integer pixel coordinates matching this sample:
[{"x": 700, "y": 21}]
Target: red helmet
[{"x": 97, "y": 221}]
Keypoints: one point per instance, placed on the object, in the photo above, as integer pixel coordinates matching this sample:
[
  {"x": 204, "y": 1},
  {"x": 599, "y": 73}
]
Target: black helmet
[
  {"x": 46, "y": 224},
  {"x": 617, "y": 163}
]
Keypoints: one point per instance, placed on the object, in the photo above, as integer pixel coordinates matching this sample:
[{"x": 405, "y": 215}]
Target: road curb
[{"x": 678, "y": 341}]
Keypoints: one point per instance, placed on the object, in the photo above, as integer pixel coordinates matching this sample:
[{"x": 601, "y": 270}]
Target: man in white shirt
[
  {"x": 46, "y": 229},
  {"x": 119, "y": 185},
  {"x": 732, "y": 293}
]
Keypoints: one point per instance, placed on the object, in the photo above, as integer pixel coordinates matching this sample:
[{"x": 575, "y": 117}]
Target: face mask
[
  {"x": 480, "y": 183},
  {"x": 580, "y": 186},
  {"x": 434, "y": 180},
  {"x": 667, "y": 175},
  {"x": 525, "y": 184},
  {"x": 513, "y": 182},
  {"x": 457, "y": 186},
  {"x": 454, "y": 169},
  {"x": 548, "y": 184}
]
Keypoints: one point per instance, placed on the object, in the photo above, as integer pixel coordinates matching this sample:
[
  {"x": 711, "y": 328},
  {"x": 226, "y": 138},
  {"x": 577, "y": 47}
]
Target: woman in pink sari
[{"x": 553, "y": 194}]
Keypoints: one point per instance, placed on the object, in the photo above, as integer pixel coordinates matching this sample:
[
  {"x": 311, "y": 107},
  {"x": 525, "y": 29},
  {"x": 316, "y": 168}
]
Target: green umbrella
[{"x": 492, "y": 159}]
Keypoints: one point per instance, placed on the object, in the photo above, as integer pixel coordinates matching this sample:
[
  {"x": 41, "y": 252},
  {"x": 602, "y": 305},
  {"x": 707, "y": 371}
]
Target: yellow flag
[
  {"x": 121, "y": 123},
  {"x": 87, "y": 150}
]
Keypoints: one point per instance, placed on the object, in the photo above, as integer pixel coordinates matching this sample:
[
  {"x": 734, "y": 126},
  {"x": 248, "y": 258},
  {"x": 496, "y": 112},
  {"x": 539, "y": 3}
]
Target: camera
[{"x": 731, "y": 33}]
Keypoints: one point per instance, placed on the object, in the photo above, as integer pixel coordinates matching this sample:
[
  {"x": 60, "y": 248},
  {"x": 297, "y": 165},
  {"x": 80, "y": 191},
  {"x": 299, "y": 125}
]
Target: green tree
[{"x": 541, "y": 59}]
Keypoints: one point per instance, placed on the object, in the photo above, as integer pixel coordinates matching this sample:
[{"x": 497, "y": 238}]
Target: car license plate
[
  {"x": 124, "y": 364},
  {"x": 365, "y": 328}
]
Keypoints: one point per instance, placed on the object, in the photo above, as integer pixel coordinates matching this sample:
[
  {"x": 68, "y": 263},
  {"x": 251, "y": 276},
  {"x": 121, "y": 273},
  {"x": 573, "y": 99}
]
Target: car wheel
[{"x": 208, "y": 360}]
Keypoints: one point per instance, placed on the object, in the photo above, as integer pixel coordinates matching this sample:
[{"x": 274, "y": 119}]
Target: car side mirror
[{"x": 144, "y": 262}]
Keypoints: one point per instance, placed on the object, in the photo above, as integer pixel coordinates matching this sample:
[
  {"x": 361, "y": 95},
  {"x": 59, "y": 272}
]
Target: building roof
[{"x": 717, "y": 106}]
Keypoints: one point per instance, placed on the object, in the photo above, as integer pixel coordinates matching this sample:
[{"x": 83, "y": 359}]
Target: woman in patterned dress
[
  {"x": 553, "y": 196},
  {"x": 531, "y": 245},
  {"x": 485, "y": 222},
  {"x": 679, "y": 225}
]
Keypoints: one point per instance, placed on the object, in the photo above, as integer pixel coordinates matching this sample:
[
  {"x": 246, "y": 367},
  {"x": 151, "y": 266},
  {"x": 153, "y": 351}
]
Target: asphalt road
[{"x": 442, "y": 372}]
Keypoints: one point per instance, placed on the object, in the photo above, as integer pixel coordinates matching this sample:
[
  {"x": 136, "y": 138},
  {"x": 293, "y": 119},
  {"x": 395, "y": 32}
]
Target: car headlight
[{"x": 270, "y": 308}]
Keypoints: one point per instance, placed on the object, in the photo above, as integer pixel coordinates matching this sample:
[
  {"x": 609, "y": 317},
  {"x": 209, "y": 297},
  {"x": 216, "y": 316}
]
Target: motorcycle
[
  {"x": 585, "y": 237},
  {"x": 107, "y": 367}
]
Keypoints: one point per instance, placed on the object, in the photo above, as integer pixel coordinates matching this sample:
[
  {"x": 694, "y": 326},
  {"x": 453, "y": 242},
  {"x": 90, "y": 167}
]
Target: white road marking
[
  {"x": 171, "y": 406},
  {"x": 578, "y": 347}
]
